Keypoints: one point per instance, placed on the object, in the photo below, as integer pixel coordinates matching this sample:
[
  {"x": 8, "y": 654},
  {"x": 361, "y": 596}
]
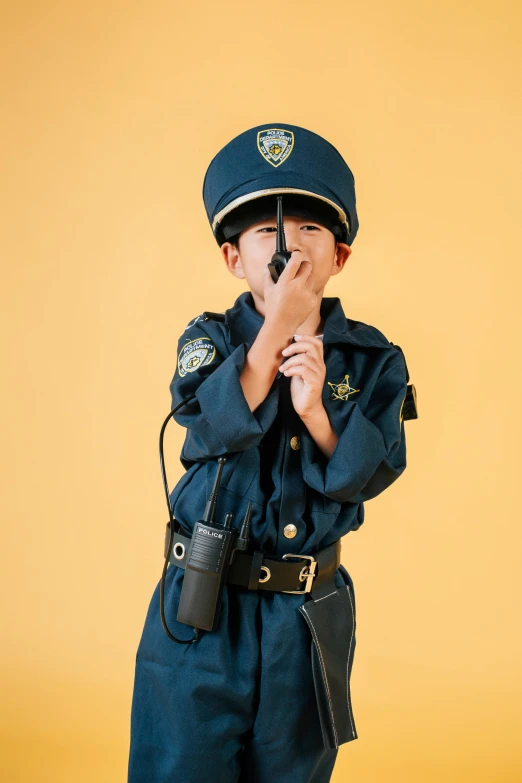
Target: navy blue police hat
[{"x": 279, "y": 159}]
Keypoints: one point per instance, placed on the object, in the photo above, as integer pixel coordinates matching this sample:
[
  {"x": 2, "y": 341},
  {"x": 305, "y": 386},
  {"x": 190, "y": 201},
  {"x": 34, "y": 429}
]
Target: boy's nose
[{"x": 292, "y": 237}]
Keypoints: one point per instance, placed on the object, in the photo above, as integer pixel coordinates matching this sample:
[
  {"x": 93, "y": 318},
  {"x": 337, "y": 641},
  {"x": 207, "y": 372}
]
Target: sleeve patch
[{"x": 195, "y": 354}]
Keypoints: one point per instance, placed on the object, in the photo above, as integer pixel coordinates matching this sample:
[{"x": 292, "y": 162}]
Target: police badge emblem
[
  {"x": 340, "y": 391},
  {"x": 275, "y": 145},
  {"x": 195, "y": 354}
]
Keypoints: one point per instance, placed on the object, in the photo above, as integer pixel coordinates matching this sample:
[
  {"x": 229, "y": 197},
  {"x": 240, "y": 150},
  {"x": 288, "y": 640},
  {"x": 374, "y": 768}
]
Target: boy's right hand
[{"x": 289, "y": 302}]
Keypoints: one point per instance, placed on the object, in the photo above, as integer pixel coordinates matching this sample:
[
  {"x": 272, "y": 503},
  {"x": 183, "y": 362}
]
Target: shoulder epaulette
[
  {"x": 214, "y": 316},
  {"x": 409, "y": 408},
  {"x": 206, "y": 316}
]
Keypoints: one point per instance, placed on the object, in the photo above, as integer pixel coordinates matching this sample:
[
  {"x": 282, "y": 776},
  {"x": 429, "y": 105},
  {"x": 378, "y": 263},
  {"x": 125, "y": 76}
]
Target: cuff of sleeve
[
  {"x": 359, "y": 451},
  {"x": 225, "y": 408}
]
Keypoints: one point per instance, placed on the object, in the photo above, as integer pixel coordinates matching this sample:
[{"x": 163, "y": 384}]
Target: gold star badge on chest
[{"x": 340, "y": 391}]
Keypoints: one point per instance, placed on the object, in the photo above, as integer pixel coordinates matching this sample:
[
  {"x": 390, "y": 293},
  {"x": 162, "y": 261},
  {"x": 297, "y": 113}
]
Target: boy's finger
[
  {"x": 292, "y": 265},
  {"x": 296, "y": 267},
  {"x": 300, "y": 348},
  {"x": 305, "y": 268}
]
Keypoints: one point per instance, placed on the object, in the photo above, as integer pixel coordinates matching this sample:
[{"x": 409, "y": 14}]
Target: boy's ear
[
  {"x": 231, "y": 255},
  {"x": 342, "y": 254}
]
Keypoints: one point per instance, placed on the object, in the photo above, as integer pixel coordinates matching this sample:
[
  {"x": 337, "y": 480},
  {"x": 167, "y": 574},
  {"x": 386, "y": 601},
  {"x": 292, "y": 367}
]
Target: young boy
[{"x": 307, "y": 407}]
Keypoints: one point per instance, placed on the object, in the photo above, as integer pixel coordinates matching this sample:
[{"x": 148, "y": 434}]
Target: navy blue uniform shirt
[{"x": 273, "y": 462}]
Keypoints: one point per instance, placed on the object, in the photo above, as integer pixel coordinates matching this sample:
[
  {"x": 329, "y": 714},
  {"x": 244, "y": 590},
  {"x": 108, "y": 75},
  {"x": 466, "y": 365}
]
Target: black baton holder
[{"x": 330, "y": 615}]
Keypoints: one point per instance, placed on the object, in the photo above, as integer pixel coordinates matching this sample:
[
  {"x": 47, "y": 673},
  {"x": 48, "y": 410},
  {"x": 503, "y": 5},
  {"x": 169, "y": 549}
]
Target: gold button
[
  {"x": 290, "y": 531},
  {"x": 295, "y": 443}
]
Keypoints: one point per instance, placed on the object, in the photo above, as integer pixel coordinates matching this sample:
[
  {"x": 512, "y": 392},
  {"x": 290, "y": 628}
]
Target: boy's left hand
[{"x": 307, "y": 371}]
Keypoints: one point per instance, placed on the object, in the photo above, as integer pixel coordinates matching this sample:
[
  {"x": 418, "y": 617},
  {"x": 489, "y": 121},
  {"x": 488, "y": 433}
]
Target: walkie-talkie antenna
[
  {"x": 281, "y": 239},
  {"x": 210, "y": 508}
]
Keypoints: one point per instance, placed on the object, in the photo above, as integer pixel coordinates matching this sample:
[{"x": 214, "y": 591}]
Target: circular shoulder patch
[{"x": 195, "y": 354}]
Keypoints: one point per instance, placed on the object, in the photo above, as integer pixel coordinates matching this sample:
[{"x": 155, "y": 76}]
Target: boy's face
[{"x": 313, "y": 241}]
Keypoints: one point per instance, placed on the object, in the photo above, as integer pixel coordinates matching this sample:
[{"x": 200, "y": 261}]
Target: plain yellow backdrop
[{"x": 111, "y": 112}]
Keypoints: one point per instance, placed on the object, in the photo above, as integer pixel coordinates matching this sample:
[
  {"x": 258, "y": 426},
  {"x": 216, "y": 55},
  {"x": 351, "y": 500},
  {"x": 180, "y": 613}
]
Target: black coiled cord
[{"x": 173, "y": 529}]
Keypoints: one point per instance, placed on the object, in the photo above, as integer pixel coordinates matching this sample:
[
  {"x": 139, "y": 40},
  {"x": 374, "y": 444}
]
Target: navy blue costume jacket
[
  {"x": 246, "y": 695},
  {"x": 322, "y": 497}
]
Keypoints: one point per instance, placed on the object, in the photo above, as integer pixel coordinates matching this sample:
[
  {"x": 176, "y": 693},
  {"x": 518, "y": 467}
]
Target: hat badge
[{"x": 275, "y": 145}]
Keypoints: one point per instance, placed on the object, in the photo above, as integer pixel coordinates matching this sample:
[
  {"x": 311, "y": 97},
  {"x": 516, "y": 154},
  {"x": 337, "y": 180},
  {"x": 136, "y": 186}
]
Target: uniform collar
[{"x": 244, "y": 323}]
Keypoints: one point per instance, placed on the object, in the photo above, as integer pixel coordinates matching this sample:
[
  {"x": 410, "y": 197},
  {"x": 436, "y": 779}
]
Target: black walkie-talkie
[
  {"x": 281, "y": 255},
  {"x": 208, "y": 559}
]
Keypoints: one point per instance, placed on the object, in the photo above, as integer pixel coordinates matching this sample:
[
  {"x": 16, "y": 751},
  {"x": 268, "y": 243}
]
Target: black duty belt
[
  {"x": 258, "y": 571},
  {"x": 329, "y": 612}
]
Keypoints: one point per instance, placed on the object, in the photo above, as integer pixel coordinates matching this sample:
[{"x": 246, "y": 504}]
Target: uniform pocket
[{"x": 331, "y": 506}]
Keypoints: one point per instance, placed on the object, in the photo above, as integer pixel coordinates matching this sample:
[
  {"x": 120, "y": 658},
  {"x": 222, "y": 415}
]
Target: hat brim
[
  {"x": 274, "y": 183},
  {"x": 264, "y": 207}
]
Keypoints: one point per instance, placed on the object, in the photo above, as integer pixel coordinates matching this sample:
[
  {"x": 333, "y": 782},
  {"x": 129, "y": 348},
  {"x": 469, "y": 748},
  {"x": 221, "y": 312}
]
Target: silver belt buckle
[{"x": 308, "y": 573}]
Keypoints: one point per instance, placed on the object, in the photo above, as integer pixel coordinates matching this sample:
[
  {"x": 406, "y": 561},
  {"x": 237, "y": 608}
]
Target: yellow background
[{"x": 111, "y": 113}]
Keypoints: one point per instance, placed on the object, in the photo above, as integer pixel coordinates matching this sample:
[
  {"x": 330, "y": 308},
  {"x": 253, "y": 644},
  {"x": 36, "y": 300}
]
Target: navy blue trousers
[{"x": 238, "y": 705}]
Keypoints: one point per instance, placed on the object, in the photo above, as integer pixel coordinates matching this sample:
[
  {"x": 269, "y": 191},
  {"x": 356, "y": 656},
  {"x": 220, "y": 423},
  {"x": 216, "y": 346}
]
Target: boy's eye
[{"x": 273, "y": 228}]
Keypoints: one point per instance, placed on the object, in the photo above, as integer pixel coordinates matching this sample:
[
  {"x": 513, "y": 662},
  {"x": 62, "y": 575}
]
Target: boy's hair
[{"x": 235, "y": 240}]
